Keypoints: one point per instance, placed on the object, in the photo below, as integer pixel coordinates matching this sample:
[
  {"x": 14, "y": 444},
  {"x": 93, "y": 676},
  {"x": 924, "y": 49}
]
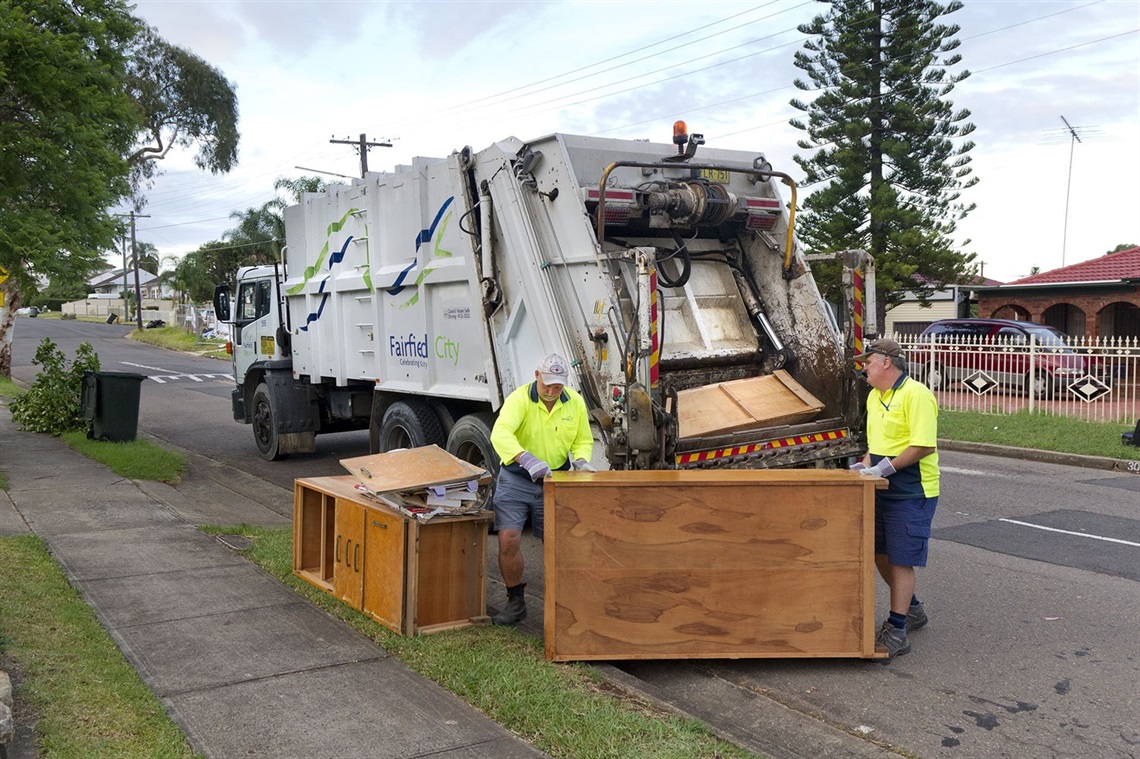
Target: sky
[{"x": 432, "y": 76}]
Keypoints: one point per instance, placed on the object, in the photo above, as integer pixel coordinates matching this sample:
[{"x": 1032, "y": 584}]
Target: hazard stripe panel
[{"x": 741, "y": 450}]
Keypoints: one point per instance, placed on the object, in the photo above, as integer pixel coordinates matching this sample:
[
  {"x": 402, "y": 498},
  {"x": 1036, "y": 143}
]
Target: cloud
[{"x": 435, "y": 76}]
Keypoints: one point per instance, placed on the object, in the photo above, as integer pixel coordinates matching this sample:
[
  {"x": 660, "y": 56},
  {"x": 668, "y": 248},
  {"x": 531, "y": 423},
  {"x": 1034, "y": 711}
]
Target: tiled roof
[
  {"x": 1124, "y": 264},
  {"x": 975, "y": 280}
]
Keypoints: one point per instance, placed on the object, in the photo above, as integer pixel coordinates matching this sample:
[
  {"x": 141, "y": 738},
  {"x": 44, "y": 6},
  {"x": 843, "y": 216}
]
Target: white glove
[
  {"x": 581, "y": 465},
  {"x": 883, "y": 469},
  {"x": 858, "y": 466},
  {"x": 534, "y": 466}
]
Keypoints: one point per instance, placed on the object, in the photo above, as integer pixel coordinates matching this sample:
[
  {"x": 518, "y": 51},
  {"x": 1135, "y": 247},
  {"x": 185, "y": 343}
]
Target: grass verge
[
  {"x": 135, "y": 460},
  {"x": 565, "y": 710},
  {"x": 8, "y": 388},
  {"x": 177, "y": 339},
  {"x": 1046, "y": 433},
  {"x": 86, "y": 699}
]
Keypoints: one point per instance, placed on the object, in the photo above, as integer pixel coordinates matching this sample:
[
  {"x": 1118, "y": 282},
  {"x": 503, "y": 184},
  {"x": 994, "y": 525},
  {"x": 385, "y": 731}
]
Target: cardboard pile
[{"x": 424, "y": 483}]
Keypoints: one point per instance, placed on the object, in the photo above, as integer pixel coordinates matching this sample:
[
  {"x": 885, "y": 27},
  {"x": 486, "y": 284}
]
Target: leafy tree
[
  {"x": 1123, "y": 246},
  {"x": 212, "y": 264},
  {"x": 261, "y": 231},
  {"x": 66, "y": 125},
  {"x": 52, "y": 403},
  {"x": 889, "y": 160},
  {"x": 257, "y": 239},
  {"x": 183, "y": 102},
  {"x": 148, "y": 256}
]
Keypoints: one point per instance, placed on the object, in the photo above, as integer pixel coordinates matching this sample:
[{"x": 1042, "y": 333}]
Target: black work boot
[{"x": 514, "y": 613}]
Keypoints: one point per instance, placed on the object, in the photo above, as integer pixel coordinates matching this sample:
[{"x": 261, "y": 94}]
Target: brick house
[{"x": 1097, "y": 298}]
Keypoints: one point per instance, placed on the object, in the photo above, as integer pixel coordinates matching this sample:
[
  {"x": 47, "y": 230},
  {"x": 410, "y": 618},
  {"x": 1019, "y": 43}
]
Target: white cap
[{"x": 553, "y": 370}]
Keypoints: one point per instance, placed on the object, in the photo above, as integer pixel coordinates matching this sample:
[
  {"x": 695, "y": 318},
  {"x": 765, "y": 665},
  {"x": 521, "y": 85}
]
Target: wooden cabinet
[
  {"x": 409, "y": 576},
  {"x": 710, "y": 564}
]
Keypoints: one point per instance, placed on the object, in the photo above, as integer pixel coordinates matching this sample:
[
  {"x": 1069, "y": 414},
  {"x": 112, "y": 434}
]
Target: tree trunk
[{"x": 12, "y": 301}]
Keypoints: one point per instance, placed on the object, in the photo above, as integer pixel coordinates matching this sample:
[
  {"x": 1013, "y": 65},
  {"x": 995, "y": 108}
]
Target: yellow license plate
[
  {"x": 715, "y": 175},
  {"x": 266, "y": 345}
]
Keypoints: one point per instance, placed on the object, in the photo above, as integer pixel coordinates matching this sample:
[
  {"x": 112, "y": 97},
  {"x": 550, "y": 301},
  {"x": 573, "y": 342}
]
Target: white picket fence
[{"x": 1088, "y": 378}]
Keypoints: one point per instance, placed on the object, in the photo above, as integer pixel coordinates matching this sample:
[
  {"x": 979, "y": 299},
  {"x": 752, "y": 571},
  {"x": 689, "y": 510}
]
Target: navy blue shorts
[
  {"x": 515, "y": 498},
  {"x": 902, "y": 529}
]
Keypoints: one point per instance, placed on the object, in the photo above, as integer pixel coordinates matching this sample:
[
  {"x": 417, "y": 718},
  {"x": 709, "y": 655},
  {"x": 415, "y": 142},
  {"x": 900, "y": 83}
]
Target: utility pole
[
  {"x": 126, "y": 300},
  {"x": 1072, "y": 144},
  {"x": 362, "y": 145},
  {"x": 135, "y": 257}
]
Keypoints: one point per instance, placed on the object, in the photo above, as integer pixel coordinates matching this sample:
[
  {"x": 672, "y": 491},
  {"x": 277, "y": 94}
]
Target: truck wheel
[
  {"x": 264, "y": 425},
  {"x": 1040, "y": 383},
  {"x": 470, "y": 440},
  {"x": 935, "y": 376},
  {"x": 409, "y": 424}
]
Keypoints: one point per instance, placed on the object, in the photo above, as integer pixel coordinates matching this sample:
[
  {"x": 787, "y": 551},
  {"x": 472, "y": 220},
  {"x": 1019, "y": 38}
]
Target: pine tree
[{"x": 888, "y": 160}]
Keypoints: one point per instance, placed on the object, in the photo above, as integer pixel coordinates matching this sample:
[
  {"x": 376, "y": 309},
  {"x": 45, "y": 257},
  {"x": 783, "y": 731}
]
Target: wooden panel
[
  {"x": 348, "y": 580},
  {"x": 438, "y": 587},
  {"x": 308, "y": 516},
  {"x": 709, "y": 564},
  {"x": 449, "y": 577},
  {"x": 753, "y": 403},
  {"x": 385, "y": 567},
  {"x": 723, "y": 526},
  {"x": 409, "y": 469}
]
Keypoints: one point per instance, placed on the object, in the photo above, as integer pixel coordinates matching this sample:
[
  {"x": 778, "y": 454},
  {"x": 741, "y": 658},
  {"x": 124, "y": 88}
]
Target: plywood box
[
  {"x": 709, "y": 564},
  {"x": 408, "y": 575},
  {"x": 753, "y": 403}
]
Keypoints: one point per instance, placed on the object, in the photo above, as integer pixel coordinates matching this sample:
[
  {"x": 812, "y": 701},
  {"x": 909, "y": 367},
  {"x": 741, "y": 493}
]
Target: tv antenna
[{"x": 1074, "y": 138}]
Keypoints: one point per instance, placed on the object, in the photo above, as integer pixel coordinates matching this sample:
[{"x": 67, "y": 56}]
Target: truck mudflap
[{"x": 780, "y": 447}]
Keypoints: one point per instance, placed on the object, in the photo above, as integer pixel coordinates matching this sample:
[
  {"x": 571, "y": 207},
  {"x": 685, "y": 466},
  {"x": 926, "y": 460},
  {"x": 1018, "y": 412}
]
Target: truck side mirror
[{"x": 222, "y": 303}]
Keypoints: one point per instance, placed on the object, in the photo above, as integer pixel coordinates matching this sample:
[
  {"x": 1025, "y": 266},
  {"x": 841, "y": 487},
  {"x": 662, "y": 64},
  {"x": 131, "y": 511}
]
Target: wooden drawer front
[{"x": 385, "y": 573}]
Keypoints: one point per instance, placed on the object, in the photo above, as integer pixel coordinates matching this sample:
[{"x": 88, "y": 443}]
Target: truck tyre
[
  {"x": 935, "y": 376},
  {"x": 409, "y": 424},
  {"x": 470, "y": 440},
  {"x": 265, "y": 425},
  {"x": 1040, "y": 383}
]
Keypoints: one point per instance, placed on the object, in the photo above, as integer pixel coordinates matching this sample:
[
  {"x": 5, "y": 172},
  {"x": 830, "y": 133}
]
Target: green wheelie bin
[{"x": 110, "y": 401}]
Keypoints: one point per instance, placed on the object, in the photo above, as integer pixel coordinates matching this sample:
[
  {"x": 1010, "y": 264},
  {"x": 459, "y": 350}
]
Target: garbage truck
[{"x": 410, "y": 303}]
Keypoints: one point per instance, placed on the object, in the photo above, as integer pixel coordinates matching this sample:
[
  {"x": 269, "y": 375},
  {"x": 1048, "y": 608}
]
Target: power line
[{"x": 238, "y": 191}]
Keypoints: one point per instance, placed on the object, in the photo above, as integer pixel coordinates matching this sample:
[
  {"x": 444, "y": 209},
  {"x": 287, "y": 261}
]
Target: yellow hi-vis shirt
[
  {"x": 555, "y": 436},
  {"x": 903, "y": 416}
]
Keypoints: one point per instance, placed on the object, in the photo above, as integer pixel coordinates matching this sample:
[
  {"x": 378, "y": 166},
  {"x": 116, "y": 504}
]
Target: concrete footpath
[{"x": 245, "y": 665}]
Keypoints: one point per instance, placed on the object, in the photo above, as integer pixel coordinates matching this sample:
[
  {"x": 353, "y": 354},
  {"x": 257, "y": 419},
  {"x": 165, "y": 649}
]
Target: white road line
[
  {"x": 1070, "y": 532},
  {"x": 956, "y": 470},
  {"x": 162, "y": 378},
  {"x": 152, "y": 368}
]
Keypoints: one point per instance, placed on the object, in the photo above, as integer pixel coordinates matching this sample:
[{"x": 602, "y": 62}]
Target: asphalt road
[{"x": 1033, "y": 590}]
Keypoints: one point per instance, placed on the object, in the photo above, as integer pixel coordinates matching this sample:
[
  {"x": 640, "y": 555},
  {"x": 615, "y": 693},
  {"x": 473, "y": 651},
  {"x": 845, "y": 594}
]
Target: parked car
[
  {"x": 952, "y": 350},
  {"x": 31, "y": 311}
]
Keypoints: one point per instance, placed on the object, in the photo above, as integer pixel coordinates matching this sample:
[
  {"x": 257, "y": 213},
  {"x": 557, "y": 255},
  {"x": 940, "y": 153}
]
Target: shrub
[
  {"x": 52, "y": 403},
  {"x": 67, "y": 316}
]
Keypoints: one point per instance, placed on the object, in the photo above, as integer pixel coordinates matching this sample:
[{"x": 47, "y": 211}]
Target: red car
[{"x": 998, "y": 350}]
